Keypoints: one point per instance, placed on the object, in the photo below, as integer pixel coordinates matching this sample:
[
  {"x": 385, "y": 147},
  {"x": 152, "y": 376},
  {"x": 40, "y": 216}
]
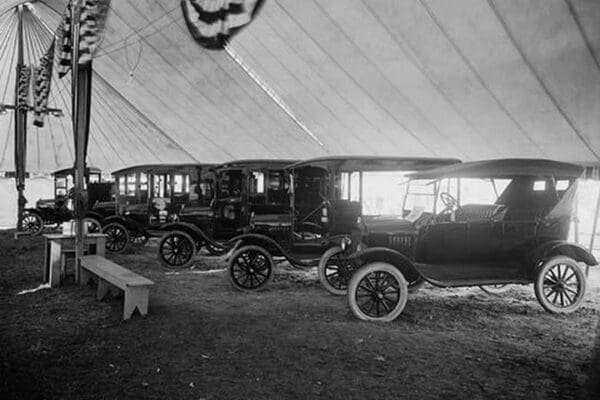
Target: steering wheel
[{"x": 450, "y": 202}]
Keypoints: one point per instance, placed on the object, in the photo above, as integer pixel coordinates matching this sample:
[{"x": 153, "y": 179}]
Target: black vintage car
[
  {"x": 53, "y": 212},
  {"x": 149, "y": 197},
  {"x": 329, "y": 196},
  {"x": 244, "y": 189},
  {"x": 494, "y": 222}
]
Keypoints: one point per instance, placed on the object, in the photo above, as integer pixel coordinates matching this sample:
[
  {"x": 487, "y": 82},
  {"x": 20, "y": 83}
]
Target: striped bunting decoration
[
  {"x": 92, "y": 20},
  {"x": 213, "y": 22},
  {"x": 42, "y": 79},
  {"x": 23, "y": 88}
]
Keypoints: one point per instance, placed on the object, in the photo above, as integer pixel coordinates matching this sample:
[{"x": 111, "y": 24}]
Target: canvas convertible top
[
  {"x": 375, "y": 163},
  {"x": 508, "y": 167}
]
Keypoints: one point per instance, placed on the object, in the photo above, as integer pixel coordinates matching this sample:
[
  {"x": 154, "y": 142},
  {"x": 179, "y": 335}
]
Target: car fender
[
  {"x": 196, "y": 233},
  {"x": 384, "y": 254},
  {"x": 126, "y": 222},
  {"x": 95, "y": 215},
  {"x": 32, "y": 211},
  {"x": 560, "y": 247}
]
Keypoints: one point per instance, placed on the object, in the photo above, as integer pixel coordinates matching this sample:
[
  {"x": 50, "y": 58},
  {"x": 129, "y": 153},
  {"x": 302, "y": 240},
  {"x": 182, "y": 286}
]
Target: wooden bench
[{"x": 135, "y": 287}]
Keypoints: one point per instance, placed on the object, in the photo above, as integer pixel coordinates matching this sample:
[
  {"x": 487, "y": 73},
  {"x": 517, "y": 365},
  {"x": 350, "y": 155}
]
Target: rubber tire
[
  {"x": 187, "y": 237},
  {"x": 539, "y": 285},
  {"x": 321, "y": 271},
  {"x": 39, "y": 224},
  {"x": 95, "y": 223},
  {"x": 492, "y": 290},
  {"x": 119, "y": 226},
  {"x": 234, "y": 257},
  {"x": 370, "y": 268}
]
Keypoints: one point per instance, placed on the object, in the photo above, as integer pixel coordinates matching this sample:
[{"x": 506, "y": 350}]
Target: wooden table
[{"x": 56, "y": 244}]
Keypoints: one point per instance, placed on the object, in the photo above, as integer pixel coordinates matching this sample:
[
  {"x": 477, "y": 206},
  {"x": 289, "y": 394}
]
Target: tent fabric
[{"x": 471, "y": 79}]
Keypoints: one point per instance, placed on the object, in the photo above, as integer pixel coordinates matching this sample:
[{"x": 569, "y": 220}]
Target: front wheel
[
  {"x": 176, "y": 249},
  {"x": 377, "y": 292},
  {"x": 334, "y": 271},
  {"x": 250, "y": 268},
  {"x": 117, "y": 237},
  {"x": 32, "y": 224},
  {"x": 560, "y": 285}
]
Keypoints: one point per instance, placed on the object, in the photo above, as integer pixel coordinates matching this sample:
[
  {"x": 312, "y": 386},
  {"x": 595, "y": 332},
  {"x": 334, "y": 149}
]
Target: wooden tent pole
[
  {"x": 79, "y": 134},
  {"x": 20, "y": 126}
]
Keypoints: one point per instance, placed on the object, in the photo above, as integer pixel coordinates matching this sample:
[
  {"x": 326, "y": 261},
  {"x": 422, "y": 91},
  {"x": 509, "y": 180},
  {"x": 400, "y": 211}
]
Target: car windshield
[{"x": 420, "y": 194}]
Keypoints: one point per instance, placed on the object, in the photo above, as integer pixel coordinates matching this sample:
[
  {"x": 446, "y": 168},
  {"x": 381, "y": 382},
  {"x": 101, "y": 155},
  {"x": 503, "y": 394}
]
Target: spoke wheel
[
  {"x": 117, "y": 237},
  {"x": 335, "y": 271},
  {"x": 176, "y": 249},
  {"x": 93, "y": 226},
  {"x": 495, "y": 290},
  {"x": 560, "y": 285},
  {"x": 250, "y": 268},
  {"x": 377, "y": 292},
  {"x": 32, "y": 224}
]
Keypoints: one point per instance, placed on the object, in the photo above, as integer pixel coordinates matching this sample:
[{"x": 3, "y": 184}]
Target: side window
[
  {"x": 131, "y": 182},
  {"x": 143, "y": 187},
  {"x": 180, "y": 183},
  {"x": 257, "y": 183},
  {"x": 122, "y": 186},
  {"x": 539, "y": 186}
]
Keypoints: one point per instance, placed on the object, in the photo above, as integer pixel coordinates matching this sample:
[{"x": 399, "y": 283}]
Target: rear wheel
[
  {"x": 335, "y": 271},
  {"x": 176, "y": 249},
  {"x": 377, "y": 292},
  {"x": 117, "y": 237},
  {"x": 560, "y": 285},
  {"x": 32, "y": 223},
  {"x": 250, "y": 268}
]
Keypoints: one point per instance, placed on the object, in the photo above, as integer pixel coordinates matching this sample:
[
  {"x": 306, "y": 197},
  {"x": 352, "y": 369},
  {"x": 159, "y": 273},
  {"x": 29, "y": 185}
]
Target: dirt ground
[{"x": 203, "y": 340}]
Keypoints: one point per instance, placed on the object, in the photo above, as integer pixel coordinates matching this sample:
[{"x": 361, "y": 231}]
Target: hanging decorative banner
[
  {"x": 92, "y": 21},
  {"x": 213, "y": 22},
  {"x": 42, "y": 79},
  {"x": 23, "y": 88}
]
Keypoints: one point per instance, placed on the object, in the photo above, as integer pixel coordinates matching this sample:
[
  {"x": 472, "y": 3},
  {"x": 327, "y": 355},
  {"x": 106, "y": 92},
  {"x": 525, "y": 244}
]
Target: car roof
[
  {"x": 506, "y": 167},
  {"x": 375, "y": 163},
  {"x": 148, "y": 167},
  {"x": 254, "y": 163},
  {"x": 68, "y": 171}
]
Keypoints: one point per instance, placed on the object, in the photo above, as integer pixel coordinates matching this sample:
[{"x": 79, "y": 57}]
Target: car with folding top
[
  {"x": 328, "y": 197},
  {"x": 494, "y": 222},
  {"x": 243, "y": 190},
  {"x": 150, "y": 196},
  {"x": 53, "y": 212}
]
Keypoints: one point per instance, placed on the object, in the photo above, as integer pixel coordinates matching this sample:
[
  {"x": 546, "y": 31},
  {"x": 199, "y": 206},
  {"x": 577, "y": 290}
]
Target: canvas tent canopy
[{"x": 469, "y": 79}]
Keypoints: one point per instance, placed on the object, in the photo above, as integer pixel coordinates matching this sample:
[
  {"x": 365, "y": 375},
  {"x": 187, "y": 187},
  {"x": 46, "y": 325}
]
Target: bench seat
[{"x": 135, "y": 287}]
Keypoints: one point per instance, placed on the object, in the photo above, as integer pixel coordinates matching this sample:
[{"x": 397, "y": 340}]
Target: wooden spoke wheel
[
  {"x": 32, "y": 224},
  {"x": 93, "y": 225},
  {"x": 176, "y": 249},
  {"x": 560, "y": 285},
  {"x": 377, "y": 292},
  {"x": 117, "y": 237},
  {"x": 335, "y": 271},
  {"x": 250, "y": 268}
]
